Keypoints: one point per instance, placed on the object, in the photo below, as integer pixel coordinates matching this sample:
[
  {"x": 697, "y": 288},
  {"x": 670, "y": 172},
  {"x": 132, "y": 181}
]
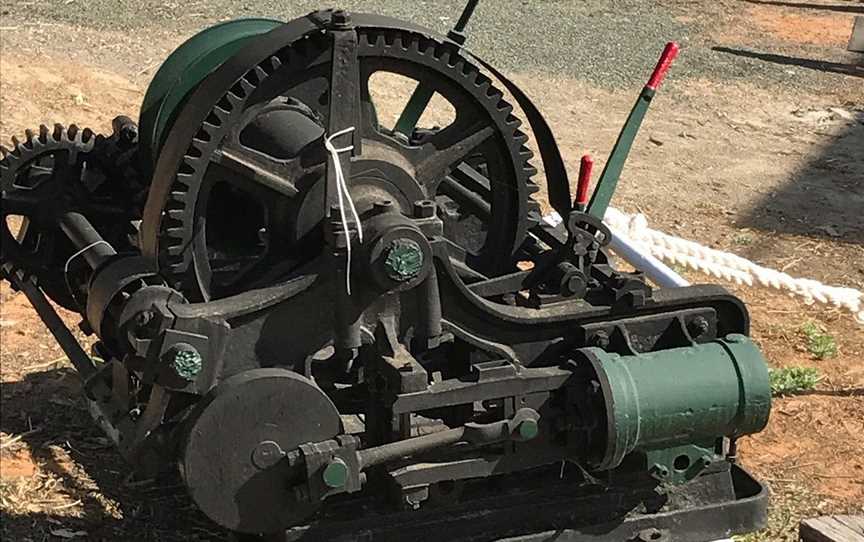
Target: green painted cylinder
[
  {"x": 680, "y": 396},
  {"x": 184, "y": 70}
]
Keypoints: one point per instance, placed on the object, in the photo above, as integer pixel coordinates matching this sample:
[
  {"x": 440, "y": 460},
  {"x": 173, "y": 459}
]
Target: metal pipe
[
  {"x": 86, "y": 240},
  {"x": 657, "y": 271}
]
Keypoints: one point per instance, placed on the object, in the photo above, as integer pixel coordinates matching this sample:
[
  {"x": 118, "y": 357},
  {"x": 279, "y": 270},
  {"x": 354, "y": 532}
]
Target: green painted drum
[
  {"x": 673, "y": 397},
  {"x": 184, "y": 70}
]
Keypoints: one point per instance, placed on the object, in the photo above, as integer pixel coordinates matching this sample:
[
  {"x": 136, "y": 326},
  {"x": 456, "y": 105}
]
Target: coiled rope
[{"x": 730, "y": 267}]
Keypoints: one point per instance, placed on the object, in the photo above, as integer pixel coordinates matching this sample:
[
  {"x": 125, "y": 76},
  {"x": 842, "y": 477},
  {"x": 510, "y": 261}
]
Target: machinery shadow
[
  {"x": 805, "y": 5},
  {"x": 824, "y": 199},
  {"x": 850, "y": 69},
  {"x": 51, "y": 416}
]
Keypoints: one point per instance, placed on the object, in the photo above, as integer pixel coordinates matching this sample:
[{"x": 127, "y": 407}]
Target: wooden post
[
  {"x": 832, "y": 529},
  {"x": 856, "y": 40}
]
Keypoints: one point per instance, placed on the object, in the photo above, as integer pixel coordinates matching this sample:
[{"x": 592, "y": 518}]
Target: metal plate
[{"x": 227, "y": 429}]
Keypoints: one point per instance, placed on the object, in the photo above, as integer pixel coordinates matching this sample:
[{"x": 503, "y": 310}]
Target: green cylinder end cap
[
  {"x": 187, "y": 363},
  {"x": 404, "y": 260},
  {"x": 528, "y": 429},
  {"x": 335, "y": 474}
]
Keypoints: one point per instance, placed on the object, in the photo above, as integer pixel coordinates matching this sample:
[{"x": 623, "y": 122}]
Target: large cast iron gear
[
  {"x": 36, "y": 178},
  {"x": 487, "y": 195},
  {"x": 61, "y": 170}
]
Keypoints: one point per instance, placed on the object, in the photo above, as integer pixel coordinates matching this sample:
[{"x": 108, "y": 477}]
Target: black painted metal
[{"x": 443, "y": 396}]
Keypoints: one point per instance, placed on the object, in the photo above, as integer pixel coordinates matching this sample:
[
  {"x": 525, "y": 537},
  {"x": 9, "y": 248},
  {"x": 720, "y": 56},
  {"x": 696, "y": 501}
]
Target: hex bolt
[
  {"x": 266, "y": 454},
  {"x": 185, "y": 361},
  {"x": 424, "y": 209},
  {"x": 659, "y": 472},
  {"x": 143, "y": 318},
  {"x": 698, "y": 326},
  {"x": 600, "y": 339},
  {"x": 340, "y": 19},
  {"x": 125, "y": 128},
  {"x": 335, "y": 474}
]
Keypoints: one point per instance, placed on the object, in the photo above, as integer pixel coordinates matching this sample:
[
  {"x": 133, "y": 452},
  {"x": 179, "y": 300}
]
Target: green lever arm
[
  {"x": 419, "y": 100},
  {"x": 608, "y": 181}
]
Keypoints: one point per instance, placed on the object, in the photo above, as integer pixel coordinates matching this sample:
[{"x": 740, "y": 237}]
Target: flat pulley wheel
[{"x": 232, "y": 459}]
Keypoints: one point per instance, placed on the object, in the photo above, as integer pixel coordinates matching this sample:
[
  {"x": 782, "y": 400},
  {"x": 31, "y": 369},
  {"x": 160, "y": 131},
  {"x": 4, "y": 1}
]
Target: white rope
[
  {"x": 729, "y": 266},
  {"x": 344, "y": 195}
]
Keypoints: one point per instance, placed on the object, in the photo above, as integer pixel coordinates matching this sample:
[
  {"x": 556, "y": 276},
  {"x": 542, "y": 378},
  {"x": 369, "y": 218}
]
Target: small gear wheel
[{"x": 38, "y": 177}]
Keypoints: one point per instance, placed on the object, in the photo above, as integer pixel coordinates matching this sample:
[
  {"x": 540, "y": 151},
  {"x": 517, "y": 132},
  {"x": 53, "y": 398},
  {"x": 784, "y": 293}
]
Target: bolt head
[
  {"x": 424, "y": 209},
  {"x": 698, "y": 326},
  {"x": 600, "y": 339},
  {"x": 266, "y": 454},
  {"x": 340, "y": 18}
]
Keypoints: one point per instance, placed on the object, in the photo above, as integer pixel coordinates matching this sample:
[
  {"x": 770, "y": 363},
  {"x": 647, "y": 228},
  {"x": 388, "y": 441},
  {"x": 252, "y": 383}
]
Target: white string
[
  {"x": 75, "y": 255},
  {"x": 343, "y": 194}
]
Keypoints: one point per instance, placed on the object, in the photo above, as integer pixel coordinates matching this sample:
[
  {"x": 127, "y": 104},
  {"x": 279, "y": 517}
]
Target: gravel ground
[{"x": 612, "y": 44}]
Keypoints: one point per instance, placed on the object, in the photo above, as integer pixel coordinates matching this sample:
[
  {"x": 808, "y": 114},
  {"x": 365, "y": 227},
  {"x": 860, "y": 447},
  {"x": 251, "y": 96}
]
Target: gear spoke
[
  {"x": 256, "y": 170},
  {"x": 437, "y": 163},
  {"x": 20, "y": 202}
]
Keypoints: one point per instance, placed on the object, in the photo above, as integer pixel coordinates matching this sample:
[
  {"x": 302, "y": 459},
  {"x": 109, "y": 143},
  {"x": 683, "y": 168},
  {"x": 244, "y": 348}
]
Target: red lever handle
[
  {"x": 584, "y": 180},
  {"x": 669, "y": 54}
]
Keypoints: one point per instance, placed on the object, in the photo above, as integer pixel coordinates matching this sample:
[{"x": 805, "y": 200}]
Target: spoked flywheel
[{"x": 238, "y": 197}]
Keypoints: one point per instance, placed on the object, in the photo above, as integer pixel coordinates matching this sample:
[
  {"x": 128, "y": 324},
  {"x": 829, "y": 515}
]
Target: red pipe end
[
  {"x": 669, "y": 54},
  {"x": 584, "y": 181}
]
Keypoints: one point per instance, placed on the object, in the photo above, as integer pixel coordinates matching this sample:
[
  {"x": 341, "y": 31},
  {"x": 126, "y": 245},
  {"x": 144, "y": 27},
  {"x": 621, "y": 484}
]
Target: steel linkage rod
[{"x": 68, "y": 343}]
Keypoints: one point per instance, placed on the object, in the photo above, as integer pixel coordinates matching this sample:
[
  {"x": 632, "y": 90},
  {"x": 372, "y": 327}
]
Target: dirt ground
[{"x": 771, "y": 169}]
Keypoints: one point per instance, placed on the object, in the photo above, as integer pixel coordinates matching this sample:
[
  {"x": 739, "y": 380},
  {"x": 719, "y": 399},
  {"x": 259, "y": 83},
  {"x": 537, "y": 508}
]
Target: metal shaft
[{"x": 94, "y": 249}]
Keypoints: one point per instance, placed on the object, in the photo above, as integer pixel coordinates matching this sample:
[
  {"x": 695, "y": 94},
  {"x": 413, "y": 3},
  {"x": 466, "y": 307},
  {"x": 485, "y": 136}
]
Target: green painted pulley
[{"x": 184, "y": 70}]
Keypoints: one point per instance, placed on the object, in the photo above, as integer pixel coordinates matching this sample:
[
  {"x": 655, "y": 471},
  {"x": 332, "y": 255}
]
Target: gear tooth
[
  {"x": 72, "y": 133},
  {"x": 185, "y": 180},
  {"x": 275, "y": 63},
  {"x": 532, "y": 189},
  {"x": 59, "y": 132},
  {"x": 175, "y": 251},
  {"x": 44, "y": 133},
  {"x": 86, "y": 135},
  {"x": 29, "y": 135},
  {"x": 221, "y": 114},
  {"x": 4, "y": 152},
  {"x": 15, "y": 142},
  {"x": 233, "y": 99}
]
